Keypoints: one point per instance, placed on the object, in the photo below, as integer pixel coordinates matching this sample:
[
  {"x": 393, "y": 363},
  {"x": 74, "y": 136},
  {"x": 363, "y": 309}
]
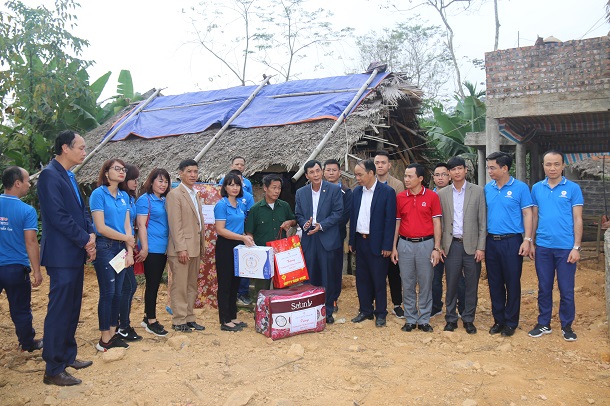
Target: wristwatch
[
  {"x": 529, "y": 239},
  {"x": 437, "y": 249},
  {"x": 577, "y": 248}
]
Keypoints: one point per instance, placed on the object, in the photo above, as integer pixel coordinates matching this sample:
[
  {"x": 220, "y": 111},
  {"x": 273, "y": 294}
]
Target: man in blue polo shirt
[
  {"x": 558, "y": 229},
  {"x": 18, "y": 228},
  {"x": 509, "y": 215}
]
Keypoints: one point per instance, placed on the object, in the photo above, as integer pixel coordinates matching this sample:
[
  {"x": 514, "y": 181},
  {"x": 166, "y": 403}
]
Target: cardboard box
[
  {"x": 254, "y": 262},
  {"x": 286, "y": 312}
]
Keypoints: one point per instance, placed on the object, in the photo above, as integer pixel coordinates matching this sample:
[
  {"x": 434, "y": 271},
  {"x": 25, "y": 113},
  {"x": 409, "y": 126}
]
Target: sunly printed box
[
  {"x": 287, "y": 312},
  {"x": 254, "y": 262}
]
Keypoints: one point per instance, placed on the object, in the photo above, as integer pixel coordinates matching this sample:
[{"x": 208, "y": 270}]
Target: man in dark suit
[
  {"x": 319, "y": 208},
  {"x": 463, "y": 242},
  {"x": 332, "y": 173},
  {"x": 68, "y": 240},
  {"x": 373, "y": 221}
]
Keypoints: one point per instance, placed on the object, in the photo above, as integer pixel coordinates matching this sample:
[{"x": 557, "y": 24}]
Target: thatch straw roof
[{"x": 287, "y": 146}]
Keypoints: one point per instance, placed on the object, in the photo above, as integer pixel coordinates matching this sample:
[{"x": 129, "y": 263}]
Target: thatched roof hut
[{"x": 386, "y": 117}]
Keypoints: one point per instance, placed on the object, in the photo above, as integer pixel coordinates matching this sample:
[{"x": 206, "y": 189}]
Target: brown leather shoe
[
  {"x": 78, "y": 364},
  {"x": 61, "y": 379}
]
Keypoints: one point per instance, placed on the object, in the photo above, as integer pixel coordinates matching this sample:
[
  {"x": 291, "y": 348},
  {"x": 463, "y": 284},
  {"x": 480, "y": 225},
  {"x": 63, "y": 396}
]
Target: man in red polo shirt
[{"x": 418, "y": 235}]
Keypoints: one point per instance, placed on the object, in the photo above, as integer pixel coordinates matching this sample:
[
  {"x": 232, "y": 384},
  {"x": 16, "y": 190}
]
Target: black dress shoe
[
  {"x": 408, "y": 327},
  {"x": 194, "y": 326},
  {"x": 425, "y": 328},
  {"x": 224, "y": 327},
  {"x": 330, "y": 319},
  {"x": 470, "y": 328},
  {"x": 450, "y": 326},
  {"x": 36, "y": 345},
  {"x": 508, "y": 331},
  {"x": 361, "y": 317},
  {"x": 182, "y": 328},
  {"x": 78, "y": 364},
  {"x": 380, "y": 322},
  {"x": 496, "y": 328},
  {"x": 61, "y": 379}
]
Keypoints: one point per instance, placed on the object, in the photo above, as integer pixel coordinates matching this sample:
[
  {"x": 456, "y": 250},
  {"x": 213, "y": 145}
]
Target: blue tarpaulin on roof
[{"x": 274, "y": 105}]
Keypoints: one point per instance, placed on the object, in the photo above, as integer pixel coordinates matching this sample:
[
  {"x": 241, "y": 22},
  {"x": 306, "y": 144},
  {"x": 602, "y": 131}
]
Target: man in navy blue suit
[
  {"x": 68, "y": 240},
  {"x": 372, "y": 223},
  {"x": 319, "y": 207}
]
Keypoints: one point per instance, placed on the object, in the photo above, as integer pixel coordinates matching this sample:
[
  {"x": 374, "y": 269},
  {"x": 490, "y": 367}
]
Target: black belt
[
  {"x": 364, "y": 236},
  {"x": 458, "y": 239},
  {"x": 498, "y": 237},
  {"x": 419, "y": 239}
]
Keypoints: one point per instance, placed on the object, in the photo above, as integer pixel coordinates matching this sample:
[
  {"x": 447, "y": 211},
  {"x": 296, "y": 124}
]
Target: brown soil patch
[{"x": 347, "y": 364}]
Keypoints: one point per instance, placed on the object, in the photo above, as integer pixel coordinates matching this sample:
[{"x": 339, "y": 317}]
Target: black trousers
[
  {"x": 228, "y": 283},
  {"x": 154, "y": 265}
]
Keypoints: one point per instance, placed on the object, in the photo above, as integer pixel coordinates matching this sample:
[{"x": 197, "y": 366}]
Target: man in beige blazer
[
  {"x": 185, "y": 221},
  {"x": 463, "y": 241}
]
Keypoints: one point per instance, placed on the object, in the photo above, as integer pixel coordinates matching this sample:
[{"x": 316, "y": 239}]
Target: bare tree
[{"x": 416, "y": 50}]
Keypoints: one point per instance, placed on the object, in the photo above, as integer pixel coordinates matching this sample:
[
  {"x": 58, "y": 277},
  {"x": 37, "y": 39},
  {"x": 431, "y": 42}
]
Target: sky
[{"x": 154, "y": 39}]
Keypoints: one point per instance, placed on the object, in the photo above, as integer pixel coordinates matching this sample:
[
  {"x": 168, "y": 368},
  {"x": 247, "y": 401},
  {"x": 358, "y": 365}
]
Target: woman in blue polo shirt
[
  {"x": 110, "y": 212},
  {"x": 130, "y": 285},
  {"x": 153, "y": 233},
  {"x": 230, "y": 216}
]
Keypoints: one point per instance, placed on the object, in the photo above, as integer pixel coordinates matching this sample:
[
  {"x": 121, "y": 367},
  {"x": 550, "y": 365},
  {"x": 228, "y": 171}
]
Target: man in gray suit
[{"x": 463, "y": 241}]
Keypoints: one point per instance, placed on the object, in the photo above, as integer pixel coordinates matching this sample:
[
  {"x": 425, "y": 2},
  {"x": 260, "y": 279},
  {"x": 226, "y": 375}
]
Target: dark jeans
[
  {"x": 110, "y": 283},
  {"x": 16, "y": 282},
  {"x": 244, "y": 287},
  {"x": 551, "y": 261},
  {"x": 154, "y": 265},
  {"x": 130, "y": 285},
  {"x": 228, "y": 283}
]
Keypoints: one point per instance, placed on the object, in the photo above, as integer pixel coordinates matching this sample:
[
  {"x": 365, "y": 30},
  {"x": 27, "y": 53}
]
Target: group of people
[{"x": 399, "y": 231}]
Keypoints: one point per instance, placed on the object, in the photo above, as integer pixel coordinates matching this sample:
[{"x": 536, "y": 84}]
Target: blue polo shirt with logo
[
  {"x": 234, "y": 217},
  {"x": 158, "y": 228},
  {"x": 504, "y": 206},
  {"x": 114, "y": 208},
  {"x": 555, "y": 219},
  {"x": 15, "y": 218}
]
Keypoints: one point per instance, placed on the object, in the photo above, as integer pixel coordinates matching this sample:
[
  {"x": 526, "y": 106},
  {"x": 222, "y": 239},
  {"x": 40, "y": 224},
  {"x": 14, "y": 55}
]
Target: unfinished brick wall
[{"x": 571, "y": 66}]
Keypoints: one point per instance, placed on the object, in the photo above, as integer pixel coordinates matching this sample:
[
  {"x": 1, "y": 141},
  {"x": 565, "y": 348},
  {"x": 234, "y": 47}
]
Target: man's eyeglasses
[
  {"x": 441, "y": 175},
  {"x": 119, "y": 169}
]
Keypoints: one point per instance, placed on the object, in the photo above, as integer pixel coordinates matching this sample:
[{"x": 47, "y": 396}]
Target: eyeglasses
[
  {"x": 119, "y": 168},
  {"x": 441, "y": 175}
]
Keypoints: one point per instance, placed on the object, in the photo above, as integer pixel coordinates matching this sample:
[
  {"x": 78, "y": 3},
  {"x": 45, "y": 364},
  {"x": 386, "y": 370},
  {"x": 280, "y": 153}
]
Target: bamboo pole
[
  {"x": 117, "y": 129},
  {"x": 340, "y": 119},
  {"x": 245, "y": 104},
  {"x": 316, "y": 92}
]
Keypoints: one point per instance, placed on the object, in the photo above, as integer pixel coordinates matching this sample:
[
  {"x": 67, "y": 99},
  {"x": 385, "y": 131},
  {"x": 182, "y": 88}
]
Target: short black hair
[
  {"x": 553, "y": 152},
  {"x": 187, "y": 162},
  {"x": 66, "y": 137},
  {"x": 236, "y": 172},
  {"x": 272, "y": 177},
  {"x": 441, "y": 165},
  {"x": 237, "y": 157},
  {"x": 368, "y": 165},
  {"x": 311, "y": 164},
  {"x": 332, "y": 162},
  {"x": 501, "y": 158},
  {"x": 11, "y": 175},
  {"x": 231, "y": 178},
  {"x": 419, "y": 169},
  {"x": 456, "y": 161},
  {"x": 382, "y": 153}
]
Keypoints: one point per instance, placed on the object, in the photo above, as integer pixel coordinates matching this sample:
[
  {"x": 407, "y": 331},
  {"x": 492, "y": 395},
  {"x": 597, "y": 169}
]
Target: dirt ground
[{"x": 347, "y": 364}]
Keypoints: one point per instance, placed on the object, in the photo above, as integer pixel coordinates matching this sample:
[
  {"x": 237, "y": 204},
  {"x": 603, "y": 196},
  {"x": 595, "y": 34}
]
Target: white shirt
[
  {"x": 315, "y": 198},
  {"x": 363, "y": 226},
  {"x": 458, "y": 211},
  {"x": 193, "y": 196}
]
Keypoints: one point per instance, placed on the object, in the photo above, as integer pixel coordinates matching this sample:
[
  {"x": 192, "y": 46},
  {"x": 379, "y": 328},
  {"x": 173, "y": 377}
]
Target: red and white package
[{"x": 287, "y": 312}]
